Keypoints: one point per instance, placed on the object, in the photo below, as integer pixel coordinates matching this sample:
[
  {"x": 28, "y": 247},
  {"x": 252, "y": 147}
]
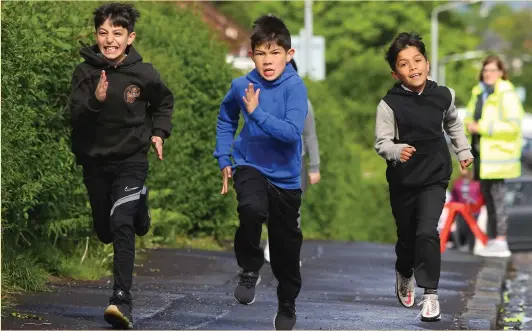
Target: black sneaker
[
  {"x": 245, "y": 290},
  {"x": 143, "y": 219},
  {"x": 118, "y": 313},
  {"x": 285, "y": 318}
]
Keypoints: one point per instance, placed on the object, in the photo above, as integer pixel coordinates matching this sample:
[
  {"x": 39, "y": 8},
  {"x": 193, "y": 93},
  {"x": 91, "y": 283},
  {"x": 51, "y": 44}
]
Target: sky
[{"x": 514, "y": 4}]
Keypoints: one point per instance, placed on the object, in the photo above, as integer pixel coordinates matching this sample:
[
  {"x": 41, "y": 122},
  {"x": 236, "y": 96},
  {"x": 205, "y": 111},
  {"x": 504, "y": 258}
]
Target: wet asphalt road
[{"x": 345, "y": 286}]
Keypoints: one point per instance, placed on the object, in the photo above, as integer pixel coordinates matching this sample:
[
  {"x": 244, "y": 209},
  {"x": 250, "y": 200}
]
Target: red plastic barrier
[{"x": 466, "y": 210}]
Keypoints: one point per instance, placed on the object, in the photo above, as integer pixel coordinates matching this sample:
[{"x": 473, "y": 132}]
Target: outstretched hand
[
  {"x": 101, "y": 88},
  {"x": 251, "y": 99}
]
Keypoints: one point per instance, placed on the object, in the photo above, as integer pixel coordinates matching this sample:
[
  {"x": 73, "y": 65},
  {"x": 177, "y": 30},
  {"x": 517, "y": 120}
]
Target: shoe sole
[
  {"x": 114, "y": 317},
  {"x": 431, "y": 319},
  {"x": 399, "y": 298},
  {"x": 248, "y": 303}
]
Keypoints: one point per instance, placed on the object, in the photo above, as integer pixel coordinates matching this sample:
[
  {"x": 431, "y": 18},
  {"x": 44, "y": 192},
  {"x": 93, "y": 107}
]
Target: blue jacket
[{"x": 270, "y": 140}]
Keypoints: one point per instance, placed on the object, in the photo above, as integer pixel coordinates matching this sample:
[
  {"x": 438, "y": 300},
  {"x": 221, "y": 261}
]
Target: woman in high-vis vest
[{"x": 493, "y": 120}]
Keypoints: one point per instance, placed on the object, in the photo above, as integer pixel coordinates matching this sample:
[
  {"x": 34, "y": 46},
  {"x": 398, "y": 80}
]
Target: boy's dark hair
[
  {"x": 269, "y": 29},
  {"x": 402, "y": 41},
  {"x": 293, "y": 63},
  {"x": 121, "y": 14}
]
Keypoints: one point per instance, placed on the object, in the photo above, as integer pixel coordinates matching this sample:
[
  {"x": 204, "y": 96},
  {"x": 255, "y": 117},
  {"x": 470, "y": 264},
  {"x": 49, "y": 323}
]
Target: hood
[
  {"x": 92, "y": 55},
  {"x": 504, "y": 86},
  {"x": 255, "y": 77},
  {"x": 397, "y": 89}
]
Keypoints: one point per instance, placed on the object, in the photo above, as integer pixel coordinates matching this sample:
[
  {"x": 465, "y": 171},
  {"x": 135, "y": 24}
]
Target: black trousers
[
  {"x": 114, "y": 193},
  {"x": 260, "y": 201},
  {"x": 416, "y": 212}
]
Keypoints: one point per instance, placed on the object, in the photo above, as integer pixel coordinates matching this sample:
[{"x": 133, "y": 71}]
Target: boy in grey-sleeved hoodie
[
  {"x": 309, "y": 140},
  {"x": 409, "y": 135}
]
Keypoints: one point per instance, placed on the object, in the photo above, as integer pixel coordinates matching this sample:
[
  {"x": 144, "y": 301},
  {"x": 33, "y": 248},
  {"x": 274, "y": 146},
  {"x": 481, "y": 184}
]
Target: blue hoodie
[{"x": 270, "y": 140}]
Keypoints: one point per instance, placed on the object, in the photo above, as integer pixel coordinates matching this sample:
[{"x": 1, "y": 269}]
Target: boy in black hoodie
[
  {"x": 409, "y": 135},
  {"x": 118, "y": 105}
]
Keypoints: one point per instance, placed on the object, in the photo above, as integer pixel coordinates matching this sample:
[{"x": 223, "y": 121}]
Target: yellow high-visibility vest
[{"x": 500, "y": 131}]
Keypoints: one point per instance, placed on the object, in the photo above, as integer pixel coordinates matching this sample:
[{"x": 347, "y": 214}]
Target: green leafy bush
[{"x": 45, "y": 208}]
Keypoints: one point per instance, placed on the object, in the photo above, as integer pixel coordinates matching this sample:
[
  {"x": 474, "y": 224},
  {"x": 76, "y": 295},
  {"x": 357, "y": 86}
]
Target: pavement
[
  {"x": 345, "y": 286},
  {"x": 516, "y": 310}
]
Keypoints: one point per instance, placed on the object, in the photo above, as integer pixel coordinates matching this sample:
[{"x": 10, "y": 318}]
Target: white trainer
[
  {"x": 496, "y": 248},
  {"x": 430, "y": 310},
  {"x": 405, "y": 289}
]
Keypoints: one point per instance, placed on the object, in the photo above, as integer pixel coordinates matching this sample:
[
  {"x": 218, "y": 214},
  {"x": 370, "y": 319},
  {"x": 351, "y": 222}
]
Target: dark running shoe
[
  {"x": 285, "y": 318},
  {"x": 245, "y": 290},
  {"x": 118, "y": 313}
]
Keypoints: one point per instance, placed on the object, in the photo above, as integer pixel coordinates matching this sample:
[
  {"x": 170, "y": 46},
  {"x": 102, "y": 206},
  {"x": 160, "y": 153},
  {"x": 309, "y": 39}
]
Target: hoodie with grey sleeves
[
  {"x": 386, "y": 130},
  {"x": 310, "y": 141},
  {"x": 406, "y": 118}
]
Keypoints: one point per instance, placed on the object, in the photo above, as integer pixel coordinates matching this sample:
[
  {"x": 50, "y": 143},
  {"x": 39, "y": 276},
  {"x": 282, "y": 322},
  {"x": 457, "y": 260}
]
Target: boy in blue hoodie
[{"x": 267, "y": 164}]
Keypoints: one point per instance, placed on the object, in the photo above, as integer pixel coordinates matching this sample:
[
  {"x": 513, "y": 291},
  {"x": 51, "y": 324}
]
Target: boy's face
[
  {"x": 113, "y": 40},
  {"x": 411, "y": 68},
  {"x": 270, "y": 60}
]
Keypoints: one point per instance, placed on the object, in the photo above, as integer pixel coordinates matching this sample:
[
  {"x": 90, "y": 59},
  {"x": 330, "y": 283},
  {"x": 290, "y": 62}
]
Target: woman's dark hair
[{"x": 493, "y": 59}]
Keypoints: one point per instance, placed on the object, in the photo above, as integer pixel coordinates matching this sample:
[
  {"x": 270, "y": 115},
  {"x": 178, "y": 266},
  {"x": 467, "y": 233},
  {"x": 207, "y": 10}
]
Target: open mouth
[
  {"x": 110, "y": 49},
  {"x": 416, "y": 75},
  {"x": 268, "y": 72}
]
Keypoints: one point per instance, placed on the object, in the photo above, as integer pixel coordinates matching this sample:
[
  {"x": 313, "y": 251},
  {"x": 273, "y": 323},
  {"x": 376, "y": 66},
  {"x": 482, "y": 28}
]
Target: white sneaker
[
  {"x": 495, "y": 248},
  {"x": 430, "y": 310},
  {"x": 267, "y": 252},
  {"x": 405, "y": 289}
]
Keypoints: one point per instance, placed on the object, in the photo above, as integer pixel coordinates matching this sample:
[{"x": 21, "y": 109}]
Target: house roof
[{"x": 228, "y": 31}]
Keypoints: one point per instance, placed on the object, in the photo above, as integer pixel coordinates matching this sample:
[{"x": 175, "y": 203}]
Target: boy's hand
[
  {"x": 314, "y": 177},
  {"x": 157, "y": 143},
  {"x": 101, "y": 89},
  {"x": 226, "y": 173},
  {"x": 472, "y": 127},
  {"x": 407, "y": 153},
  {"x": 251, "y": 99},
  {"x": 465, "y": 163}
]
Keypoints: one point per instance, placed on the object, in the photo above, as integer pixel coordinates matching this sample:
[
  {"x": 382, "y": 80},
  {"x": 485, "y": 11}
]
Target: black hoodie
[
  {"x": 419, "y": 119},
  {"x": 138, "y": 105}
]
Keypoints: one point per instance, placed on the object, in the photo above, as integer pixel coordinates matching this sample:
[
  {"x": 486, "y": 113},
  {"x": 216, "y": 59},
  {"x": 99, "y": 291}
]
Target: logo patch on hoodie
[{"x": 132, "y": 93}]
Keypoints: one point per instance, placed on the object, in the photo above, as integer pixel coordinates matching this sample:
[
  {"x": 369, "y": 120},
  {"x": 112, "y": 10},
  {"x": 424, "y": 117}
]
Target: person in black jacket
[
  {"x": 119, "y": 107},
  {"x": 409, "y": 133}
]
